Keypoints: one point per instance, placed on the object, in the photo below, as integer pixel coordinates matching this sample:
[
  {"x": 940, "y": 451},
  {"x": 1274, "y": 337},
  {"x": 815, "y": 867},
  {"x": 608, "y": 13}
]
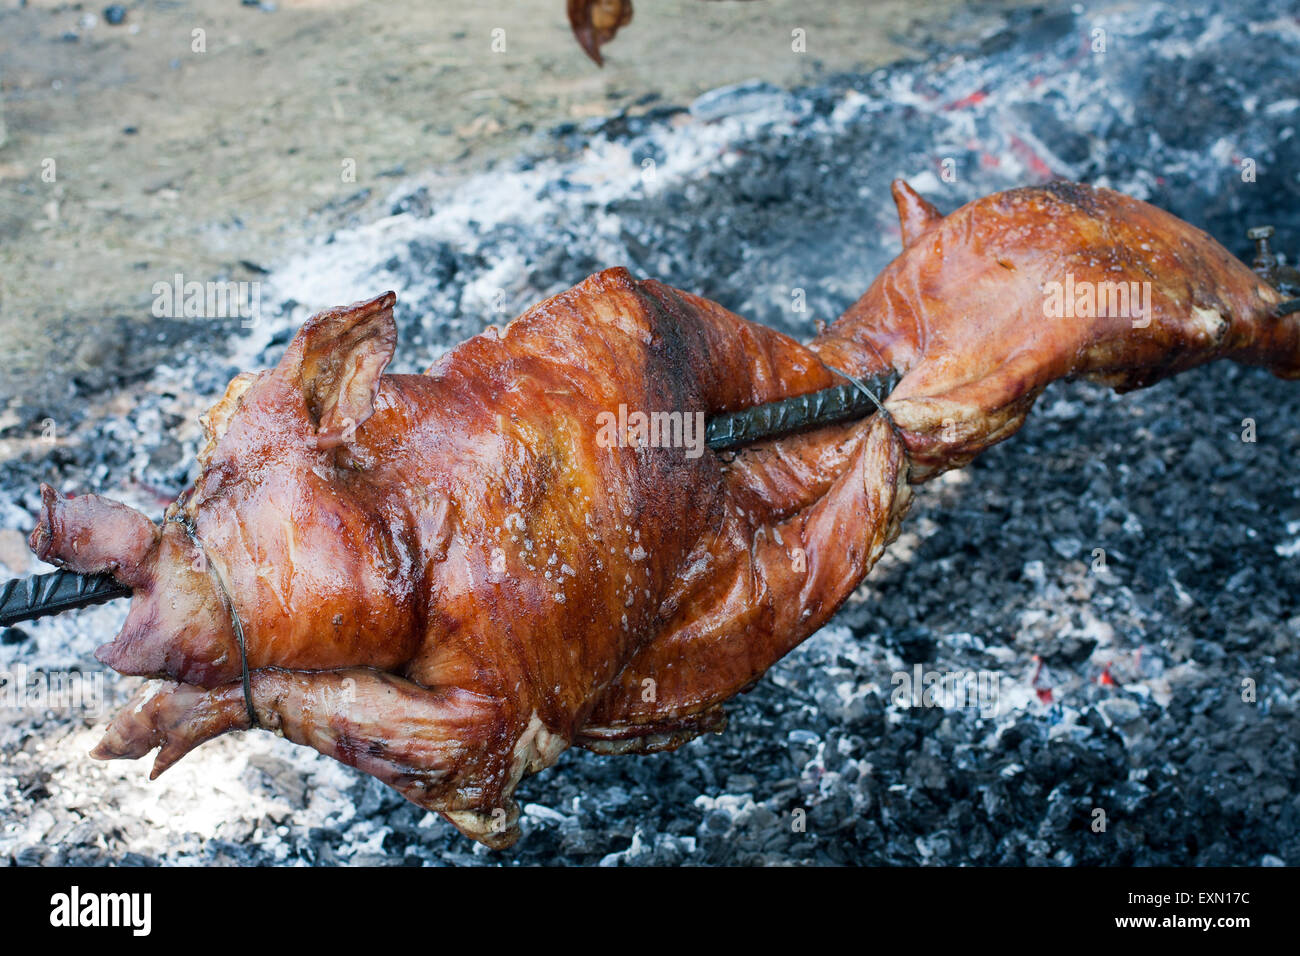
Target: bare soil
[{"x": 207, "y": 139}]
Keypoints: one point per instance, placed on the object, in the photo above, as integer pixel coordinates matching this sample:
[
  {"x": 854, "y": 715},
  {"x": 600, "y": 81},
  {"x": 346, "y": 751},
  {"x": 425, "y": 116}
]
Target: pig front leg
[{"x": 445, "y": 749}]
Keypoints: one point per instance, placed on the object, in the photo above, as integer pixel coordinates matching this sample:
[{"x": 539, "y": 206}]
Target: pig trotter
[{"x": 173, "y": 717}]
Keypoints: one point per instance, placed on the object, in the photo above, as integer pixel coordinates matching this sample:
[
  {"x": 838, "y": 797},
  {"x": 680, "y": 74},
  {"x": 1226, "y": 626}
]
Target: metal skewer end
[
  {"x": 25, "y": 599},
  {"x": 1284, "y": 278}
]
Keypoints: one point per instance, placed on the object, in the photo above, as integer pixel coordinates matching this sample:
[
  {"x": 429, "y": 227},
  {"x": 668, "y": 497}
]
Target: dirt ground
[{"x": 208, "y": 138}]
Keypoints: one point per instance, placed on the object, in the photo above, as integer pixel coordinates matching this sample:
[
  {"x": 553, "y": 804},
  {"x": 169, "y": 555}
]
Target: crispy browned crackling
[
  {"x": 961, "y": 311},
  {"x": 751, "y": 592}
]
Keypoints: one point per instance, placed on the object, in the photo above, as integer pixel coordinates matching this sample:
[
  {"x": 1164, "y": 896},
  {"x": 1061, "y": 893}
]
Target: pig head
[{"x": 267, "y": 536}]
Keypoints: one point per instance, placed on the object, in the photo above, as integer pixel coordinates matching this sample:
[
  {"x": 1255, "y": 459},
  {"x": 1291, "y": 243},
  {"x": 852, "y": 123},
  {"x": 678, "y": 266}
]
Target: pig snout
[
  {"x": 178, "y": 626},
  {"x": 92, "y": 535}
]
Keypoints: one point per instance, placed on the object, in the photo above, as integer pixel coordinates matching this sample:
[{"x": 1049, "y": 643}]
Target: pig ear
[
  {"x": 915, "y": 215},
  {"x": 336, "y": 359}
]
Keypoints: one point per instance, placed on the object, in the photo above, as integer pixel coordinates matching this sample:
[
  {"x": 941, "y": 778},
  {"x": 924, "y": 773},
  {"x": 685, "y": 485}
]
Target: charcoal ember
[
  {"x": 283, "y": 779},
  {"x": 13, "y": 635},
  {"x": 583, "y": 843}
]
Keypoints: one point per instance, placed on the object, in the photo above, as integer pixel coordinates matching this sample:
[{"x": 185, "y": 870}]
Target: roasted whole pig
[{"x": 446, "y": 579}]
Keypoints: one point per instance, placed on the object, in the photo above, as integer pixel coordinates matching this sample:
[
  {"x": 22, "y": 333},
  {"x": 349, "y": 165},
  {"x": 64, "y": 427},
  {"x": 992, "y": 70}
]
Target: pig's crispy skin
[
  {"x": 746, "y": 597},
  {"x": 447, "y": 579},
  {"x": 961, "y": 311}
]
